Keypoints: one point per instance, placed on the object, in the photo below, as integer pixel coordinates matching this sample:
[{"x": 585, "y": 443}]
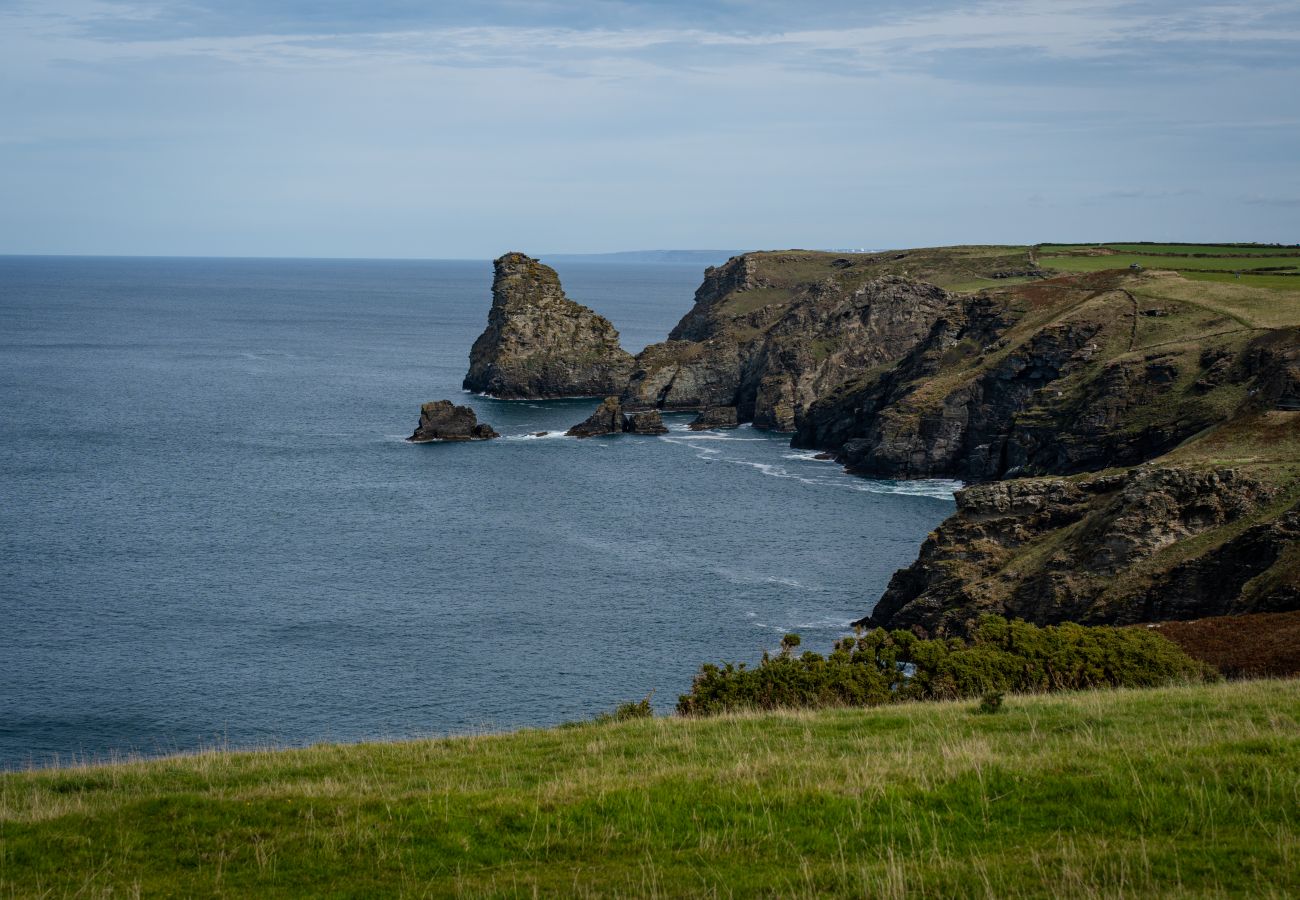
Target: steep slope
[
  {"x": 1212, "y": 528},
  {"x": 539, "y": 343},
  {"x": 770, "y": 333},
  {"x": 1070, "y": 374}
]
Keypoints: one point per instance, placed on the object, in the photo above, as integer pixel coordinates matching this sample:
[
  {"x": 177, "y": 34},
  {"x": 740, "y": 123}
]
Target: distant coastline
[{"x": 644, "y": 257}]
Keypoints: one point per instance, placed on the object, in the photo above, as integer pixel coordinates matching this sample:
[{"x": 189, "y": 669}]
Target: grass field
[
  {"x": 1259, "y": 266},
  {"x": 1186, "y": 791},
  {"x": 1185, "y": 249}
]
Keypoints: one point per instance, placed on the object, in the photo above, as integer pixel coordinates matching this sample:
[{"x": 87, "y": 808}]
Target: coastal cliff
[
  {"x": 538, "y": 343},
  {"x": 771, "y": 333},
  {"x": 1179, "y": 538},
  {"x": 1165, "y": 407},
  {"x": 1072, "y": 374},
  {"x": 1132, "y": 437}
]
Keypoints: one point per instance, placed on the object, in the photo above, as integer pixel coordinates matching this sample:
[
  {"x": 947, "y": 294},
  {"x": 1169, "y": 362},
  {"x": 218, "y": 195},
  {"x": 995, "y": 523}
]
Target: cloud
[
  {"x": 1283, "y": 202},
  {"x": 1039, "y": 32}
]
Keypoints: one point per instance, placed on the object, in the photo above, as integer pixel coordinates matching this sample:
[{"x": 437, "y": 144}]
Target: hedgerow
[{"x": 890, "y": 666}]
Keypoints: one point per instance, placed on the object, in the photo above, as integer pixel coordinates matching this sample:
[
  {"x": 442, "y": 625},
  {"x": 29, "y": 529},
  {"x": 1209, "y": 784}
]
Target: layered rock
[
  {"x": 771, "y": 333},
  {"x": 1153, "y": 543},
  {"x": 609, "y": 418},
  {"x": 442, "y": 420},
  {"x": 1001, "y": 389},
  {"x": 714, "y": 417},
  {"x": 539, "y": 343},
  {"x": 648, "y": 422}
]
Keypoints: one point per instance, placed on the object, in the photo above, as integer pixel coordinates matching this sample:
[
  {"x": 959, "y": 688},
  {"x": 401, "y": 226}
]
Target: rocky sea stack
[
  {"x": 442, "y": 420},
  {"x": 540, "y": 344},
  {"x": 609, "y": 419}
]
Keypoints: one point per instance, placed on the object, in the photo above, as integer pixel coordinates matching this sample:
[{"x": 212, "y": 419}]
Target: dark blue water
[{"x": 214, "y": 534}]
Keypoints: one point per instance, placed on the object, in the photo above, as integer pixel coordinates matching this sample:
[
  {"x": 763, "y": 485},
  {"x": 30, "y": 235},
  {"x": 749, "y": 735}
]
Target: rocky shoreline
[{"x": 1107, "y": 421}]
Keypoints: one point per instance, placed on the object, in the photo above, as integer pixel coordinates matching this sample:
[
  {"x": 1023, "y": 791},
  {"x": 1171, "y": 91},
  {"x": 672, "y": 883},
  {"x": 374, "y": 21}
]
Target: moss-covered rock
[{"x": 539, "y": 343}]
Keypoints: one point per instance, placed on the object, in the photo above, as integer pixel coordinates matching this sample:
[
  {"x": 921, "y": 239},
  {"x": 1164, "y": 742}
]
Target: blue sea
[{"x": 212, "y": 533}]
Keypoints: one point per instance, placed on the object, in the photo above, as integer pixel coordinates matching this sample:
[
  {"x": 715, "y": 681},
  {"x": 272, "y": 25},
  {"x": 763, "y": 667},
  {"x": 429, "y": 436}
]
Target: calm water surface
[{"x": 212, "y": 532}]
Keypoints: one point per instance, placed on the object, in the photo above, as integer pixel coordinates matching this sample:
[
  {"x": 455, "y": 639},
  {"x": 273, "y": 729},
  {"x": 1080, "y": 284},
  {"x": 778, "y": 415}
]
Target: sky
[{"x": 397, "y": 128}]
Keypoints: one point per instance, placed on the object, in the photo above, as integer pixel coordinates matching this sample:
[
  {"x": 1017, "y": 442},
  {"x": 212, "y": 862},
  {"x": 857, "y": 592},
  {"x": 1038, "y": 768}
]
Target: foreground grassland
[{"x": 1188, "y": 791}]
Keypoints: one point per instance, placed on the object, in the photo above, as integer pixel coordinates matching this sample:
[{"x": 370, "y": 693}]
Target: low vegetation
[
  {"x": 1250, "y": 646},
  {"x": 1180, "y": 791},
  {"x": 1276, "y": 267},
  {"x": 890, "y": 667}
]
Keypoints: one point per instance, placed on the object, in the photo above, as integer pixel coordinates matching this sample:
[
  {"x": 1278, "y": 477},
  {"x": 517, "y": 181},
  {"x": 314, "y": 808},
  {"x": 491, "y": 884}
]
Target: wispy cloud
[
  {"x": 1046, "y": 30},
  {"x": 318, "y": 126}
]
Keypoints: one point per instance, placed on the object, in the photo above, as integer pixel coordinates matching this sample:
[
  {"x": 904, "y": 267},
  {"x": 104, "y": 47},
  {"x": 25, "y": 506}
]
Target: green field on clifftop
[
  {"x": 1253, "y": 265},
  {"x": 1186, "y": 791}
]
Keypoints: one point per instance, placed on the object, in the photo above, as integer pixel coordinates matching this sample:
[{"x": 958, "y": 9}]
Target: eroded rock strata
[
  {"x": 770, "y": 333},
  {"x": 442, "y": 420},
  {"x": 714, "y": 417},
  {"x": 609, "y": 418},
  {"x": 1153, "y": 543},
  {"x": 1132, "y": 437},
  {"x": 539, "y": 343}
]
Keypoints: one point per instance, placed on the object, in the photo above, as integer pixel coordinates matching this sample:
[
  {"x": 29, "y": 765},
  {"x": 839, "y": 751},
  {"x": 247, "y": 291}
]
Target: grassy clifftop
[{"x": 1180, "y": 792}]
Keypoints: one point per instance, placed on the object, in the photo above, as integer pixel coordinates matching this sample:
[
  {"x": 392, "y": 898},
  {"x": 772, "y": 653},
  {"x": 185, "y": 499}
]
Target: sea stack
[
  {"x": 442, "y": 420},
  {"x": 610, "y": 419},
  {"x": 540, "y": 344}
]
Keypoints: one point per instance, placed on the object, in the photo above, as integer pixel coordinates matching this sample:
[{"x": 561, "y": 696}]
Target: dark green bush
[
  {"x": 1001, "y": 657},
  {"x": 633, "y": 709}
]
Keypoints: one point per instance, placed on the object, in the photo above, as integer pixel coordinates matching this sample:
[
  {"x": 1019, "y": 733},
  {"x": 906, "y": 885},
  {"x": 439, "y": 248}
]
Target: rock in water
[
  {"x": 714, "y": 417},
  {"x": 646, "y": 423},
  {"x": 442, "y": 420},
  {"x": 607, "y": 419},
  {"x": 539, "y": 343}
]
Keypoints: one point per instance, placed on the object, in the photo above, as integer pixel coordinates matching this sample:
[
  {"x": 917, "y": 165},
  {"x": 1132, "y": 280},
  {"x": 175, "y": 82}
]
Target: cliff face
[
  {"x": 1156, "y": 542},
  {"x": 1069, "y": 375},
  {"x": 539, "y": 343},
  {"x": 770, "y": 333}
]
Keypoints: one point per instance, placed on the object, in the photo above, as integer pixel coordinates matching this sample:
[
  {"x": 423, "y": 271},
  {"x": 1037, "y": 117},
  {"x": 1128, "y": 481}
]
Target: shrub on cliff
[{"x": 882, "y": 667}]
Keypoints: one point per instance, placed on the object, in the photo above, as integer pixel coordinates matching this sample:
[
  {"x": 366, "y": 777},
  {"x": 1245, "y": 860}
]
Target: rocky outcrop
[
  {"x": 1152, "y": 543},
  {"x": 714, "y": 417},
  {"x": 649, "y": 422},
  {"x": 610, "y": 419},
  {"x": 990, "y": 393},
  {"x": 607, "y": 419},
  {"x": 442, "y": 420},
  {"x": 539, "y": 343},
  {"x": 771, "y": 333}
]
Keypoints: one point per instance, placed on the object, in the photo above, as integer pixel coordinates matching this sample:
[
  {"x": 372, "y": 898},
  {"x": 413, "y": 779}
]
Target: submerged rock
[
  {"x": 539, "y": 343},
  {"x": 714, "y": 417},
  {"x": 442, "y": 420}
]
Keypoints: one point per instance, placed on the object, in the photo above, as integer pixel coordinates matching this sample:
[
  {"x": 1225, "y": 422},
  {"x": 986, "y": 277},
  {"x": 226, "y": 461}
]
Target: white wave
[
  {"x": 823, "y": 624},
  {"x": 682, "y": 431},
  {"x": 938, "y": 488},
  {"x": 545, "y": 436},
  {"x": 705, "y": 453},
  {"x": 805, "y": 455}
]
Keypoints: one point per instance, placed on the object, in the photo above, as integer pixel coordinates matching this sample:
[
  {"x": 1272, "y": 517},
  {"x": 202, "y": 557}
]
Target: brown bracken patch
[{"x": 1254, "y": 645}]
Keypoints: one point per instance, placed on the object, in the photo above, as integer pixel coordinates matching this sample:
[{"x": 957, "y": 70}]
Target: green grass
[
  {"x": 1184, "y": 249},
  {"x": 1272, "y": 282},
  {"x": 1176, "y": 263},
  {"x": 1205, "y": 262},
  {"x": 1188, "y": 791}
]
